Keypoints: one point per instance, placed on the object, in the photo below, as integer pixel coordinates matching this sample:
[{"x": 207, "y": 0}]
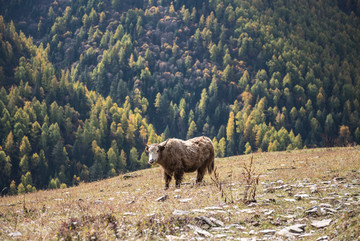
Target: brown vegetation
[{"x": 120, "y": 208}]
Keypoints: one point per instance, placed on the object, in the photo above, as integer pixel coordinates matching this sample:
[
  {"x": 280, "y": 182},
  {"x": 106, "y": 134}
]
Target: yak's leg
[
  {"x": 200, "y": 174},
  {"x": 178, "y": 178},
  {"x": 167, "y": 180}
]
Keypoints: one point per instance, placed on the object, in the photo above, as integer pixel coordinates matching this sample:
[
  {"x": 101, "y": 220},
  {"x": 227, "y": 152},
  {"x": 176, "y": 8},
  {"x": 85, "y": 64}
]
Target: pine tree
[
  {"x": 192, "y": 130},
  {"x": 9, "y": 145},
  {"x": 222, "y": 147},
  {"x": 25, "y": 147},
  {"x": 5, "y": 169},
  {"x": 203, "y": 103},
  {"x": 248, "y": 148},
  {"x": 21, "y": 189},
  {"x": 13, "y": 190},
  {"x": 230, "y": 127}
]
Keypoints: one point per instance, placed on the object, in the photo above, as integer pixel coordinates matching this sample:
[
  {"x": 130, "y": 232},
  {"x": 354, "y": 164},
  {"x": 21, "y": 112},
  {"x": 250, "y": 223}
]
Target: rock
[
  {"x": 207, "y": 221},
  {"x": 267, "y": 231},
  {"x": 235, "y": 225},
  {"x": 330, "y": 210},
  {"x": 285, "y": 233},
  {"x": 200, "y": 231},
  {"x": 314, "y": 189},
  {"x": 289, "y": 216},
  {"x": 180, "y": 212},
  {"x": 129, "y": 214},
  {"x": 289, "y": 199},
  {"x": 325, "y": 205},
  {"x": 221, "y": 229},
  {"x": 280, "y": 187},
  {"x": 248, "y": 210},
  {"x": 314, "y": 210},
  {"x": 199, "y": 211},
  {"x": 163, "y": 198},
  {"x": 98, "y": 201},
  {"x": 127, "y": 176},
  {"x": 185, "y": 200},
  {"x": 321, "y": 210},
  {"x": 292, "y": 231},
  {"x": 220, "y": 236},
  {"x": 339, "y": 179},
  {"x": 217, "y": 222},
  {"x": 171, "y": 237},
  {"x": 267, "y": 213},
  {"x": 306, "y": 235},
  {"x": 270, "y": 200},
  {"x": 15, "y": 234},
  {"x": 253, "y": 204},
  {"x": 297, "y": 228},
  {"x": 213, "y": 208},
  {"x": 177, "y": 196},
  {"x": 323, "y": 238},
  {"x": 321, "y": 224},
  {"x": 356, "y": 182},
  {"x": 301, "y": 196}
]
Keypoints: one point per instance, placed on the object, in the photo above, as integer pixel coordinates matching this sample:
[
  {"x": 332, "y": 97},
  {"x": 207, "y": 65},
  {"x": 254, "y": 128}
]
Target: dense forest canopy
[{"x": 86, "y": 84}]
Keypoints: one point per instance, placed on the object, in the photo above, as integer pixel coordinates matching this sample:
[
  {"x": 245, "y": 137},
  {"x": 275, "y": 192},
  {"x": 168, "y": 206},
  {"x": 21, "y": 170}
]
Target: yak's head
[{"x": 154, "y": 151}]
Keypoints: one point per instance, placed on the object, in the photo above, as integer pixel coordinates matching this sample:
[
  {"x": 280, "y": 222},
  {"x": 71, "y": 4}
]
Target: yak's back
[
  {"x": 190, "y": 148},
  {"x": 202, "y": 146}
]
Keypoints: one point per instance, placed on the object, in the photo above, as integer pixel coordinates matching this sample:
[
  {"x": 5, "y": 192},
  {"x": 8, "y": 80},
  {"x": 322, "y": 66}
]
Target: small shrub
[
  {"x": 251, "y": 182},
  {"x": 226, "y": 195}
]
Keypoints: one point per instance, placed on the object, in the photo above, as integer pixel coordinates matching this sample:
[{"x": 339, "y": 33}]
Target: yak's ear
[
  {"x": 147, "y": 148},
  {"x": 162, "y": 147}
]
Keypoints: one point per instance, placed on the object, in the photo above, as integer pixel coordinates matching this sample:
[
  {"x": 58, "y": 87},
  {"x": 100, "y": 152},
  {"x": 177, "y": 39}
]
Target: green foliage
[
  {"x": 21, "y": 189},
  {"x": 253, "y": 76}
]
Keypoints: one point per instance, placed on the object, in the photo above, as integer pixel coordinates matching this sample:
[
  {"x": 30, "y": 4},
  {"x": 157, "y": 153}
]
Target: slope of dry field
[{"x": 310, "y": 194}]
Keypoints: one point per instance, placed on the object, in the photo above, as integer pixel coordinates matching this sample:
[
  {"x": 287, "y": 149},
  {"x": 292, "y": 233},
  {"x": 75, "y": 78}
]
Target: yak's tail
[{"x": 211, "y": 161}]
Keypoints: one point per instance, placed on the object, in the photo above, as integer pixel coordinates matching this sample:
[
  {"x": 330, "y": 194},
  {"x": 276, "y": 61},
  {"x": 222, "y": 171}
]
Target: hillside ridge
[{"x": 313, "y": 191}]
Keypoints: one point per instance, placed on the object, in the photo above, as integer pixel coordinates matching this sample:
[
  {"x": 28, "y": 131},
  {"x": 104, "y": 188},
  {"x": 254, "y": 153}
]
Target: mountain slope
[
  {"x": 200, "y": 62},
  {"x": 48, "y": 125},
  {"x": 251, "y": 75},
  {"x": 135, "y": 206}
]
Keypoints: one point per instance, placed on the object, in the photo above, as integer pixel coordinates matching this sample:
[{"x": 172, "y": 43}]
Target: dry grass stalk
[
  {"x": 251, "y": 182},
  {"x": 226, "y": 196}
]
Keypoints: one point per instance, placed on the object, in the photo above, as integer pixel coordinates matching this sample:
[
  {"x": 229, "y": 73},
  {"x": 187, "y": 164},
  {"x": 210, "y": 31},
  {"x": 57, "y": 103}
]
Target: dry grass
[{"x": 127, "y": 209}]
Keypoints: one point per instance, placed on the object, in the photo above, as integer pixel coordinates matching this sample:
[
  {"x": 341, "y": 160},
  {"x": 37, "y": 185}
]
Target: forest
[{"x": 85, "y": 85}]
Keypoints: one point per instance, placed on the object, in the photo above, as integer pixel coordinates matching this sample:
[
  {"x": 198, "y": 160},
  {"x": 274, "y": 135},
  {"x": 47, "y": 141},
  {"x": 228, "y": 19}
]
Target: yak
[{"x": 178, "y": 156}]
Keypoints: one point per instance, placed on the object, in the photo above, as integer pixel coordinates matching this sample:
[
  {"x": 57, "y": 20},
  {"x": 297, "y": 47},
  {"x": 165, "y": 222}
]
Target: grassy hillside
[
  {"x": 291, "y": 185},
  {"x": 109, "y": 76}
]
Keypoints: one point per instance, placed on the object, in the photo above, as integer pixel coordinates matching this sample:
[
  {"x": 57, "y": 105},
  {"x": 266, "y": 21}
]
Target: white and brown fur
[{"x": 177, "y": 157}]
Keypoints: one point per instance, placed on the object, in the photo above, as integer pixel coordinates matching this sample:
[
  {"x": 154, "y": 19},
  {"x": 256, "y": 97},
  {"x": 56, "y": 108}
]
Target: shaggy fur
[{"x": 177, "y": 157}]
